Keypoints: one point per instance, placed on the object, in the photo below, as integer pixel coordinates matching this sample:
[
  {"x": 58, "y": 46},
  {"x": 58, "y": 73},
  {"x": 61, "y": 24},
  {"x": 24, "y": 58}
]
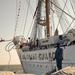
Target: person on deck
[
  {"x": 59, "y": 56},
  {"x": 37, "y": 42}
]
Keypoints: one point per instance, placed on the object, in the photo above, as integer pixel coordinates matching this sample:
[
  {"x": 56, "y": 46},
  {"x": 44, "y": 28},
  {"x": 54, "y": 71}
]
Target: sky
[
  {"x": 8, "y": 19},
  {"x": 7, "y": 25}
]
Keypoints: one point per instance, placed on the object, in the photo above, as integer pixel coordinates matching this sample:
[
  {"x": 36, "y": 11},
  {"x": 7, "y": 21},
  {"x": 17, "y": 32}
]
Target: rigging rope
[
  {"x": 17, "y": 16},
  {"x": 69, "y": 26},
  {"x": 31, "y": 9},
  {"x": 22, "y": 17},
  {"x": 72, "y": 7},
  {"x": 29, "y": 29},
  {"x": 64, "y": 21},
  {"x": 63, "y": 10},
  {"x": 8, "y": 62},
  {"x": 73, "y": 3},
  {"x": 8, "y": 53},
  {"x": 15, "y": 20},
  {"x": 61, "y": 16},
  {"x": 68, "y": 12},
  {"x": 72, "y": 20},
  {"x": 26, "y": 17},
  {"x": 74, "y": 13},
  {"x": 8, "y": 49}
]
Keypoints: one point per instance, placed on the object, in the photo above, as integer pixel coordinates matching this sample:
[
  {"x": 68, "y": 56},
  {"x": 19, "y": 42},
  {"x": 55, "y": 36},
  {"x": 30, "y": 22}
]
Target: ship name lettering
[{"x": 40, "y": 56}]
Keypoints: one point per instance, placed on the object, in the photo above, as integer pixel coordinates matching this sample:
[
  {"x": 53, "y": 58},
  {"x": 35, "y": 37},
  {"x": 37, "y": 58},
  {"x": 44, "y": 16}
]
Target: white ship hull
[{"x": 41, "y": 61}]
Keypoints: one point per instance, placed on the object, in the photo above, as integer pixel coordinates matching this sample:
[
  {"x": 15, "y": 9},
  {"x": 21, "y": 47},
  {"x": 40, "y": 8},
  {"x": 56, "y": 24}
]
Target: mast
[
  {"x": 43, "y": 22},
  {"x": 47, "y": 18},
  {"x": 38, "y": 15}
]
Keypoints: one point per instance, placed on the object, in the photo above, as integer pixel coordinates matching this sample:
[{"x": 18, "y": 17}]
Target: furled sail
[{"x": 37, "y": 28}]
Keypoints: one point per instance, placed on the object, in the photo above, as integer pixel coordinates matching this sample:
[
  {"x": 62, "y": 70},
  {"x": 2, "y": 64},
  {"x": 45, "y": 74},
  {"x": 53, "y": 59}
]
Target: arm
[{"x": 61, "y": 54}]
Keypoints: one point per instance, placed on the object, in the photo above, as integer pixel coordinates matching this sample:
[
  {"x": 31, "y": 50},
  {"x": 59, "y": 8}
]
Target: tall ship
[{"x": 53, "y": 22}]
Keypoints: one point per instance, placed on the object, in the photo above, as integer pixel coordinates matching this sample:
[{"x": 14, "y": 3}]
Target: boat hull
[{"x": 41, "y": 61}]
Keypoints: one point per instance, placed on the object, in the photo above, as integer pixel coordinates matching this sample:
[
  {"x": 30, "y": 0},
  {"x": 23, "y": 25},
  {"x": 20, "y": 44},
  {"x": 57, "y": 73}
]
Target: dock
[
  {"x": 11, "y": 73},
  {"x": 65, "y": 71}
]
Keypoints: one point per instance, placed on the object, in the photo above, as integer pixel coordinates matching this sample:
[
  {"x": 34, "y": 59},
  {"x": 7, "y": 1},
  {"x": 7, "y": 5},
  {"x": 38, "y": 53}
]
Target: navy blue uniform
[{"x": 59, "y": 57}]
